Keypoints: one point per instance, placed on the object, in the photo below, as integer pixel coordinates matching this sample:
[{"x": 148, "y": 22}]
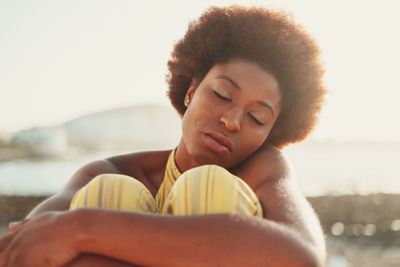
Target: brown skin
[
  {"x": 274, "y": 41},
  {"x": 232, "y": 92},
  {"x": 289, "y": 234}
]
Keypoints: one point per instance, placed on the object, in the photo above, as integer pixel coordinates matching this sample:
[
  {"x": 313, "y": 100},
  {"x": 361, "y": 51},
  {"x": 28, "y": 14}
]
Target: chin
[{"x": 212, "y": 158}]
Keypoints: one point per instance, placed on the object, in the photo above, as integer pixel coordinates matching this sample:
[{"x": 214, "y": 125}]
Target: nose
[{"x": 231, "y": 121}]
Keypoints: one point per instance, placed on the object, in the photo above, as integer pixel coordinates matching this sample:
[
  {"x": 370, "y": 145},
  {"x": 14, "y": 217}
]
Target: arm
[
  {"x": 288, "y": 236},
  {"x": 62, "y": 199},
  {"x": 157, "y": 240},
  {"x": 212, "y": 240},
  {"x": 85, "y": 260},
  {"x": 128, "y": 164},
  {"x": 281, "y": 199}
]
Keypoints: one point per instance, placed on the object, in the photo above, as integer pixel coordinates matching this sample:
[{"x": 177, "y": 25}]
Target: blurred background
[{"x": 83, "y": 80}]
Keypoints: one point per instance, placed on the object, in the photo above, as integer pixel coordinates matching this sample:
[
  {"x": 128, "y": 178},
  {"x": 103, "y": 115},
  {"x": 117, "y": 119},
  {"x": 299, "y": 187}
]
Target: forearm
[
  {"x": 85, "y": 260},
  {"x": 58, "y": 202},
  {"x": 210, "y": 240}
]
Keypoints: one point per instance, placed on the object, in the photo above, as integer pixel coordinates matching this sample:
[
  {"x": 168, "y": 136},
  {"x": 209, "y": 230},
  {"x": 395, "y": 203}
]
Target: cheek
[
  {"x": 187, "y": 124},
  {"x": 199, "y": 111},
  {"x": 254, "y": 140},
  {"x": 191, "y": 122}
]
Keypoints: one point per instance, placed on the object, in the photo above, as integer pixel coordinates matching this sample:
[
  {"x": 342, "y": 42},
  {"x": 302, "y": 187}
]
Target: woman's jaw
[{"x": 229, "y": 115}]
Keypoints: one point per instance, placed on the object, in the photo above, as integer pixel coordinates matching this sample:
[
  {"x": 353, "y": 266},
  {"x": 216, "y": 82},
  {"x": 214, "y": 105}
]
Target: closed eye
[
  {"x": 255, "y": 119},
  {"x": 222, "y": 97}
]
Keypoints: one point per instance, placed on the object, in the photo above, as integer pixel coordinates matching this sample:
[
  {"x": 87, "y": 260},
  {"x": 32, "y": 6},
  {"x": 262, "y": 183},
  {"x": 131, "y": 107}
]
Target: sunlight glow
[{"x": 61, "y": 60}]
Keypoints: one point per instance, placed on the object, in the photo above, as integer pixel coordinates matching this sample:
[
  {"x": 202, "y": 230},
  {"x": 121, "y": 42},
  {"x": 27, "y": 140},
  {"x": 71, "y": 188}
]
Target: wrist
[{"x": 79, "y": 223}]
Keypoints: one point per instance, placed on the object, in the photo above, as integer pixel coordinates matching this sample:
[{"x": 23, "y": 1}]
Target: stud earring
[{"x": 187, "y": 102}]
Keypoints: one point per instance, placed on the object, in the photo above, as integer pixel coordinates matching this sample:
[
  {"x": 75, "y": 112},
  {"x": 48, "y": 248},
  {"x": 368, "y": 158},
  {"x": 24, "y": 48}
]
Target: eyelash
[
  {"x": 222, "y": 97},
  {"x": 230, "y": 100},
  {"x": 254, "y": 118}
]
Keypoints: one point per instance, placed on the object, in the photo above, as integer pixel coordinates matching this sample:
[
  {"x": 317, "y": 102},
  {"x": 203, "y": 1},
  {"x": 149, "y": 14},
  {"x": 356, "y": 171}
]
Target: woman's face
[{"x": 229, "y": 114}]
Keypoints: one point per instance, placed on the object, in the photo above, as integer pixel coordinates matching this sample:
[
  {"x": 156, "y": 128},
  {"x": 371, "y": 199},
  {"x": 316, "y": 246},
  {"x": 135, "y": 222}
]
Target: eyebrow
[
  {"x": 267, "y": 106},
  {"x": 230, "y": 80},
  {"x": 238, "y": 87}
]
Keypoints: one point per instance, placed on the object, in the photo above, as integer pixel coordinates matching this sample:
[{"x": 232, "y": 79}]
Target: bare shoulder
[
  {"x": 276, "y": 187},
  {"x": 87, "y": 172},
  {"x": 267, "y": 164},
  {"x": 140, "y": 165},
  {"x": 146, "y": 167},
  {"x": 136, "y": 164}
]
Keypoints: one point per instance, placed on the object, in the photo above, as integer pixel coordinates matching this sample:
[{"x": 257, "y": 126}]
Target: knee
[
  {"x": 211, "y": 189},
  {"x": 108, "y": 181},
  {"x": 114, "y": 191},
  {"x": 204, "y": 173},
  {"x": 203, "y": 190}
]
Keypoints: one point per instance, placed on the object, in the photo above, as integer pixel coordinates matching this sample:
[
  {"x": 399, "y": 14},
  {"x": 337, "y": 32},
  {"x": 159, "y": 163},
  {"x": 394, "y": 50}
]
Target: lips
[{"x": 219, "y": 142}]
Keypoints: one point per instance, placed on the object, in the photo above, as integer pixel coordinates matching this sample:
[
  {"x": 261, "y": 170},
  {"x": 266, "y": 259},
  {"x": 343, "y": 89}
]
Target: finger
[
  {"x": 3, "y": 259},
  {"x": 4, "y": 241},
  {"x": 12, "y": 226}
]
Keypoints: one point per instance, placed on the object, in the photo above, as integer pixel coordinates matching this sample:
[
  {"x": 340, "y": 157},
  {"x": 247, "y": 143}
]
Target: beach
[
  {"x": 365, "y": 229},
  {"x": 341, "y": 181}
]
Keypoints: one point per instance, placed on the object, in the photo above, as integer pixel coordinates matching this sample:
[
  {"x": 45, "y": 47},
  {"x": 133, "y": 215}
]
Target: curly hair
[{"x": 268, "y": 38}]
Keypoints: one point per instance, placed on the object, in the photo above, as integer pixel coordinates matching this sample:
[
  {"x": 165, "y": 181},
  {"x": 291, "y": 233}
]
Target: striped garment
[{"x": 203, "y": 190}]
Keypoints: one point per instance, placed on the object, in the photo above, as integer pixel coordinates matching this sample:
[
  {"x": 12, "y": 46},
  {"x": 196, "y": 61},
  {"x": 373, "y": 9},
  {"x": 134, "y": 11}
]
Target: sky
[{"x": 63, "y": 59}]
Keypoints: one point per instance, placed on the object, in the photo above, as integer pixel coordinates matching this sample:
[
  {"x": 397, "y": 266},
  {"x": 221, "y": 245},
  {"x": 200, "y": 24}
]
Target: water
[
  {"x": 321, "y": 168},
  {"x": 40, "y": 177},
  {"x": 352, "y": 168}
]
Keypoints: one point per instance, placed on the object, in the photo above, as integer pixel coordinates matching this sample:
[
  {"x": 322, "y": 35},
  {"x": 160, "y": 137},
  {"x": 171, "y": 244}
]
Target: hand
[
  {"x": 12, "y": 226},
  {"x": 47, "y": 240}
]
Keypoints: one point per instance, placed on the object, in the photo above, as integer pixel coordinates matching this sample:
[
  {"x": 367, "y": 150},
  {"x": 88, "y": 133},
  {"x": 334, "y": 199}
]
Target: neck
[{"x": 183, "y": 159}]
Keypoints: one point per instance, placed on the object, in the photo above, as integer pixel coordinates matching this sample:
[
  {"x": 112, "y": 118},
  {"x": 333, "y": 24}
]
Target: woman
[{"x": 246, "y": 82}]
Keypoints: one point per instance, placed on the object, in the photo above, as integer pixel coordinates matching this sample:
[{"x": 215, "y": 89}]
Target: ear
[{"x": 190, "y": 93}]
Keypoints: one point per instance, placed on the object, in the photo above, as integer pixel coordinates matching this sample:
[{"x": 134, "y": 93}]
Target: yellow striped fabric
[
  {"x": 203, "y": 190},
  {"x": 115, "y": 191},
  {"x": 170, "y": 175}
]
